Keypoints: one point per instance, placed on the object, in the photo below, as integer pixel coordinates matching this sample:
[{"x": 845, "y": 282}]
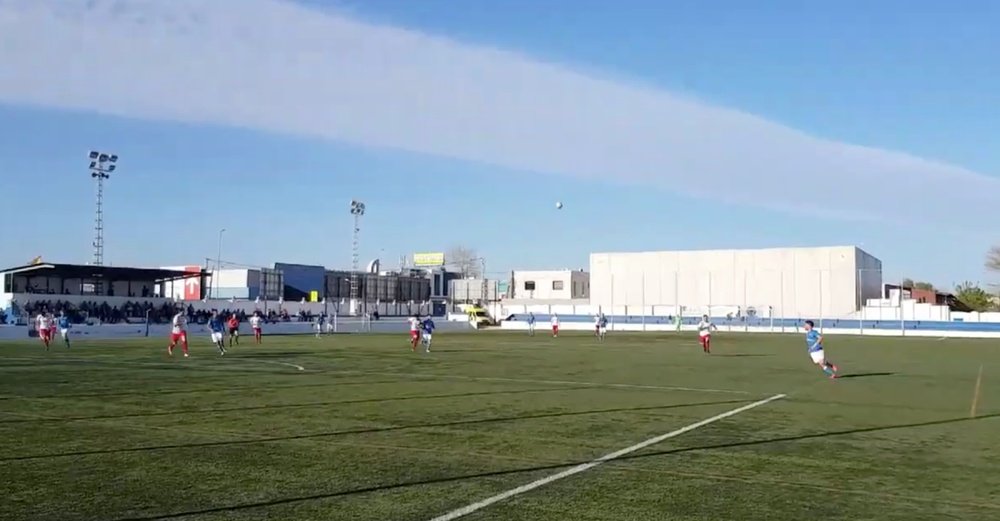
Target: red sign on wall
[{"x": 192, "y": 286}]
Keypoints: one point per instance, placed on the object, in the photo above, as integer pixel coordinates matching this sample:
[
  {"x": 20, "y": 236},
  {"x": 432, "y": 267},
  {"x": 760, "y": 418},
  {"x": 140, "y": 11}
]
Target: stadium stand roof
[{"x": 89, "y": 272}]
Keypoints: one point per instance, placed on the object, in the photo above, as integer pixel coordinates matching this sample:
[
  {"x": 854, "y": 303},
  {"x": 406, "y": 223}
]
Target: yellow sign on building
[
  {"x": 313, "y": 296},
  {"x": 428, "y": 260}
]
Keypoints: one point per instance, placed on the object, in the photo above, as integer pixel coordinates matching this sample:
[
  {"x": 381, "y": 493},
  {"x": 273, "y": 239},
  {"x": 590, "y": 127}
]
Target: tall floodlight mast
[
  {"x": 357, "y": 210},
  {"x": 101, "y": 167}
]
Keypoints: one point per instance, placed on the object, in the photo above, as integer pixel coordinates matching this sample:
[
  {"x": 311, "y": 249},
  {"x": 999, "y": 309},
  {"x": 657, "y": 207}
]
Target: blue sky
[{"x": 660, "y": 125}]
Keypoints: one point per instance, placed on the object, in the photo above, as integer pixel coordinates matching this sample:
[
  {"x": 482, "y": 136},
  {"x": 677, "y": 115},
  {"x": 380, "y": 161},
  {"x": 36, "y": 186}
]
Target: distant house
[{"x": 928, "y": 296}]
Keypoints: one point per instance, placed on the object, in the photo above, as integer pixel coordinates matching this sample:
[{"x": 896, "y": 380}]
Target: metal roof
[{"x": 88, "y": 272}]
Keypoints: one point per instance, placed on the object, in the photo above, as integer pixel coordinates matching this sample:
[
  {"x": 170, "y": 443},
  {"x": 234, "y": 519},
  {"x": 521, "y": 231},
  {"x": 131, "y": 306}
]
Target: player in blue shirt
[
  {"x": 531, "y": 324},
  {"x": 64, "y": 326},
  {"x": 814, "y": 342},
  {"x": 218, "y": 329},
  {"x": 427, "y": 330}
]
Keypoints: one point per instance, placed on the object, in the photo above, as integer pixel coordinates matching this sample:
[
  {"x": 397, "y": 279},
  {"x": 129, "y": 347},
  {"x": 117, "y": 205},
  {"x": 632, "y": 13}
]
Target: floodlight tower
[
  {"x": 101, "y": 167},
  {"x": 357, "y": 210}
]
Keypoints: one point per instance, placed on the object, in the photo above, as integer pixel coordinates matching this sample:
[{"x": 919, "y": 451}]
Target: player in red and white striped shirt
[
  {"x": 44, "y": 323},
  {"x": 255, "y": 323},
  {"x": 178, "y": 333},
  {"x": 414, "y": 332}
]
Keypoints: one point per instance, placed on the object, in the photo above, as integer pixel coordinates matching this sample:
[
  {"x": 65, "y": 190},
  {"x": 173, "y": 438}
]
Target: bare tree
[
  {"x": 993, "y": 259},
  {"x": 465, "y": 260}
]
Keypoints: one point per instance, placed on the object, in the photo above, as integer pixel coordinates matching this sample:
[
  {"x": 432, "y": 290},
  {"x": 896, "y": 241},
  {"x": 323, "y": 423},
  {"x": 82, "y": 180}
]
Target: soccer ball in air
[{"x": 558, "y": 206}]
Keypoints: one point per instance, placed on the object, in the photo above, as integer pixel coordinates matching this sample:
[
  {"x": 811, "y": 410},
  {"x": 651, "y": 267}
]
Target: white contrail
[{"x": 281, "y": 67}]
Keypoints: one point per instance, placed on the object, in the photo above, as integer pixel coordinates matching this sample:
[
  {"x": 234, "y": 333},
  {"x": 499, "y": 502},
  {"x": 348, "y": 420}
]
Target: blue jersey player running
[
  {"x": 217, "y": 328},
  {"x": 814, "y": 342},
  {"x": 427, "y": 330},
  {"x": 64, "y": 325}
]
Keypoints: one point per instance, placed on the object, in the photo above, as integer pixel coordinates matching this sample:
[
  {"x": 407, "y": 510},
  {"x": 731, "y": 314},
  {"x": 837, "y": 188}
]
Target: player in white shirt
[
  {"x": 52, "y": 327},
  {"x": 597, "y": 325},
  {"x": 555, "y": 325},
  {"x": 318, "y": 325},
  {"x": 414, "y": 332},
  {"x": 602, "y": 327},
  {"x": 255, "y": 323},
  {"x": 705, "y": 328},
  {"x": 328, "y": 325},
  {"x": 178, "y": 332},
  {"x": 43, "y": 324}
]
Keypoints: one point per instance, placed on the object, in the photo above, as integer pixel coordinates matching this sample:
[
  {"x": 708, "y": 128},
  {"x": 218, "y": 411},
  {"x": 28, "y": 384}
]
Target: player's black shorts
[{"x": 234, "y": 330}]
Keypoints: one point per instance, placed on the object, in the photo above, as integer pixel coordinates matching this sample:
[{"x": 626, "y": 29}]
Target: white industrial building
[
  {"x": 551, "y": 285},
  {"x": 243, "y": 284},
  {"x": 828, "y": 282}
]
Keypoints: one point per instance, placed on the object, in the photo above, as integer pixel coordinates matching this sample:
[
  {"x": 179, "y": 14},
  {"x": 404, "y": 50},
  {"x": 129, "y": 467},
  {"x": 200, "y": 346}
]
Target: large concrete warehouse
[{"x": 828, "y": 282}]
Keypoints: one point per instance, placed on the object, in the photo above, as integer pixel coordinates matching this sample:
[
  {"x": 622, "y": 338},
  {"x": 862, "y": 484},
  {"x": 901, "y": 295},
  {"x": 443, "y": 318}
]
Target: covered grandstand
[{"x": 101, "y": 293}]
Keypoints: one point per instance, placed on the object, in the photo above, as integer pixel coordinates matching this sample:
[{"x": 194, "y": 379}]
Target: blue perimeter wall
[{"x": 787, "y": 323}]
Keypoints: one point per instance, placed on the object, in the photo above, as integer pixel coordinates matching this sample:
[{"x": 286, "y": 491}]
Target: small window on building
[
  {"x": 529, "y": 285},
  {"x": 557, "y": 285},
  {"x": 8, "y": 283}
]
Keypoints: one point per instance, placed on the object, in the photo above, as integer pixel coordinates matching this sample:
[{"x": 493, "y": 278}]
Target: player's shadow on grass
[
  {"x": 538, "y": 468},
  {"x": 863, "y": 375},
  {"x": 368, "y": 430},
  {"x": 301, "y": 405},
  {"x": 739, "y": 354},
  {"x": 197, "y": 390}
]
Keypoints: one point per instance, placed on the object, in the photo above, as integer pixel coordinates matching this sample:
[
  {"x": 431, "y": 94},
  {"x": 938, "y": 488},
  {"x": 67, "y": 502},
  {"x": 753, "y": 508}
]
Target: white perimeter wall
[{"x": 794, "y": 282}]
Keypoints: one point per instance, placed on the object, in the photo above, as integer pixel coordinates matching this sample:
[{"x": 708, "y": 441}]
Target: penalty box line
[{"x": 468, "y": 509}]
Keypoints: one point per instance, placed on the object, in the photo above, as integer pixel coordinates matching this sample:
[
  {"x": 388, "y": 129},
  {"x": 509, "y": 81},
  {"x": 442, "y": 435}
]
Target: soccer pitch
[{"x": 368, "y": 430}]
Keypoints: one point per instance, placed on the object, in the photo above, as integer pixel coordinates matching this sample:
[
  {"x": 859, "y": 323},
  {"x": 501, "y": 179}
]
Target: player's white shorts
[
  {"x": 216, "y": 337},
  {"x": 817, "y": 356},
  {"x": 427, "y": 337},
  {"x": 603, "y": 330},
  {"x": 64, "y": 332}
]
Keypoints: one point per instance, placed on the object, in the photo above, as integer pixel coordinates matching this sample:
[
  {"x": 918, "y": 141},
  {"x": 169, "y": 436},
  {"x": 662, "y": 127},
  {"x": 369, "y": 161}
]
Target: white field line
[
  {"x": 551, "y": 382},
  {"x": 468, "y": 509},
  {"x": 273, "y": 362}
]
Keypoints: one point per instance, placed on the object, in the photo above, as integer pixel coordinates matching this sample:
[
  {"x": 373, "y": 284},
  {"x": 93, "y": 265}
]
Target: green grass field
[{"x": 116, "y": 430}]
